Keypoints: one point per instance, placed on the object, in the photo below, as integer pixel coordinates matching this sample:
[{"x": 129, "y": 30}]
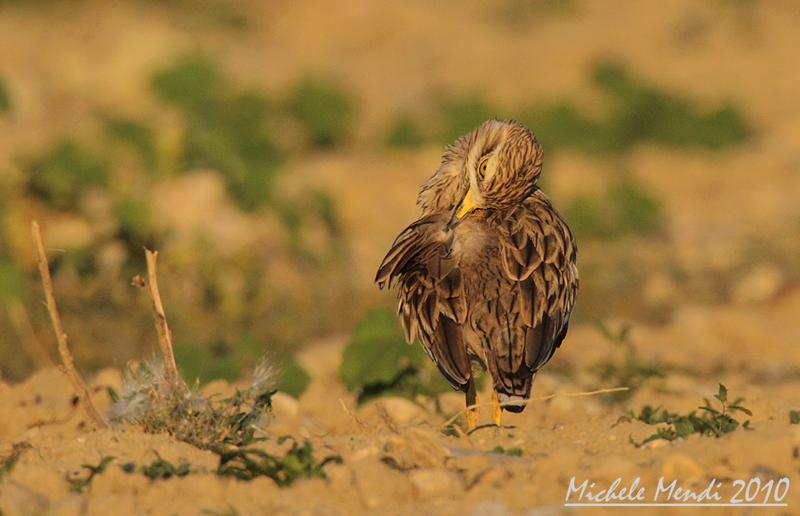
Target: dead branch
[
  {"x": 164, "y": 335},
  {"x": 63, "y": 349},
  {"x": 517, "y": 402}
]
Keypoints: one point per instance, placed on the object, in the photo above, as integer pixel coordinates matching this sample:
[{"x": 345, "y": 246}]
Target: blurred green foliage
[
  {"x": 324, "y": 108},
  {"x": 135, "y": 220},
  {"x": 378, "y": 362},
  {"x": 5, "y": 97},
  {"x": 625, "y": 208},
  {"x": 223, "y": 359},
  {"x": 405, "y": 132},
  {"x": 637, "y": 113},
  {"x": 461, "y": 116},
  {"x": 10, "y": 280},
  {"x": 291, "y": 377},
  {"x": 64, "y": 173},
  {"x": 225, "y": 129},
  {"x": 137, "y": 135},
  {"x": 632, "y": 371},
  {"x": 202, "y": 364}
]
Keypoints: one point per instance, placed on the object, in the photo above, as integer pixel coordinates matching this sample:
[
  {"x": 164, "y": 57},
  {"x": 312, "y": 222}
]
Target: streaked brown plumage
[{"x": 487, "y": 275}]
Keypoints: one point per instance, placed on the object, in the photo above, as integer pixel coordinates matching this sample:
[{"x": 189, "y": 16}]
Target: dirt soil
[
  {"x": 397, "y": 460},
  {"x": 395, "y": 457}
]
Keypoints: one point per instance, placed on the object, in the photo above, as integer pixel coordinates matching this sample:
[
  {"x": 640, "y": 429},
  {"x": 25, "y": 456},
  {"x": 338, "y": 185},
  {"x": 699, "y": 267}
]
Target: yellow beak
[{"x": 464, "y": 207}]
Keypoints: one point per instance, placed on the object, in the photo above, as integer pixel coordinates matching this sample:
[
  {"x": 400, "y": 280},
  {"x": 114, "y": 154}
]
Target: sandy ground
[
  {"x": 729, "y": 213},
  {"x": 397, "y": 460}
]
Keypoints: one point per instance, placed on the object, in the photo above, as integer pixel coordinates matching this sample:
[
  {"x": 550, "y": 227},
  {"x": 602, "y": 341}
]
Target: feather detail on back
[{"x": 431, "y": 300}]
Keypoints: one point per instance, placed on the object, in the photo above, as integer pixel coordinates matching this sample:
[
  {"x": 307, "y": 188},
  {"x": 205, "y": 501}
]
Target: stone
[
  {"x": 761, "y": 284},
  {"x": 435, "y": 483}
]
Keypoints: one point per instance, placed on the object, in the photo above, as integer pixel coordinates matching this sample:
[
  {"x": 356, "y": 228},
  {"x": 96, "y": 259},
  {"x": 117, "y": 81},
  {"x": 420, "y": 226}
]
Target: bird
[{"x": 487, "y": 275}]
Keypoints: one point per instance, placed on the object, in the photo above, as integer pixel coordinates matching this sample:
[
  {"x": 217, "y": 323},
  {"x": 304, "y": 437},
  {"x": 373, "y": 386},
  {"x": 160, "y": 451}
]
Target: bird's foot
[
  {"x": 473, "y": 417},
  {"x": 497, "y": 410}
]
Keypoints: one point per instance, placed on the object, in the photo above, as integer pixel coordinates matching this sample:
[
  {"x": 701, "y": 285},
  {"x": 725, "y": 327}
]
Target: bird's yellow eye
[{"x": 482, "y": 165}]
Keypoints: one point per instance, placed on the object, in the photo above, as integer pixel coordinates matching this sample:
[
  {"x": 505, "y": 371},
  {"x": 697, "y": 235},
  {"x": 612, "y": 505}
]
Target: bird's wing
[
  {"x": 431, "y": 301},
  {"x": 539, "y": 256}
]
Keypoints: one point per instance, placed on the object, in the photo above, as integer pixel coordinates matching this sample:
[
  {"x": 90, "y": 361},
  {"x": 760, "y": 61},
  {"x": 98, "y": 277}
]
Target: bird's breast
[{"x": 477, "y": 251}]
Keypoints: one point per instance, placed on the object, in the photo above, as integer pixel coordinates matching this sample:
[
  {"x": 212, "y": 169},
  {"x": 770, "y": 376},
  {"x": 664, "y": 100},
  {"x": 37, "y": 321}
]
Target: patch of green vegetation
[
  {"x": 189, "y": 83},
  {"x": 712, "y": 422},
  {"x": 8, "y": 462},
  {"x": 76, "y": 485},
  {"x": 298, "y": 462},
  {"x": 461, "y": 116},
  {"x": 164, "y": 469},
  {"x": 631, "y": 371},
  {"x": 291, "y": 378},
  {"x": 378, "y": 362},
  {"x": 135, "y": 221},
  {"x": 794, "y": 417},
  {"x": 405, "y": 133},
  {"x": 627, "y": 208},
  {"x": 11, "y": 279},
  {"x": 64, "y": 173},
  {"x": 325, "y": 110},
  {"x": 203, "y": 363},
  {"x": 226, "y": 130},
  {"x": 514, "y": 452},
  {"x": 137, "y": 135},
  {"x": 147, "y": 399},
  {"x": 5, "y": 98},
  {"x": 638, "y": 113}
]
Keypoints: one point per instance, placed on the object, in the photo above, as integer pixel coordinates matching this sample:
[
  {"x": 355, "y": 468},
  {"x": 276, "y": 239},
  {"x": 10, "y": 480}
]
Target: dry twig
[
  {"x": 63, "y": 349},
  {"x": 164, "y": 335},
  {"x": 462, "y": 412}
]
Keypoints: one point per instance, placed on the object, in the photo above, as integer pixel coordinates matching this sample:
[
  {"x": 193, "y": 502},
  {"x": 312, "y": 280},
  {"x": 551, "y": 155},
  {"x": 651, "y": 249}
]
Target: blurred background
[{"x": 271, "y": 151}]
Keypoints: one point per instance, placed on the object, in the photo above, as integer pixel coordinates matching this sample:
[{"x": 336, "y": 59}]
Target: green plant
[
  {"x": 298, "y": 462},
  {"x": 325, "y": 110},
  {"x": 794, "y": 417},
  {"x": 225, "y": 129},
  {"x": 76, "y": 485},
  {"x": 8, "y": 462},
  {"x": 135, "y": 134},
  {"x": 514, "y": 452},
  {"x": 626, "y": 208},
  {"x": 712, "y": 422},
  {"x": 5, "y": 98},
  {"x": 64, "y": 173},
  {"x": 163, "y": 469},
  {"x": 631, "y": 371},
  {"x": 148, "y": 400},
  {"x": 378, "y": 362},
  {"x": 405, "y": 133},
  {"x": 637, "y": 113},
  {"x": 461, "y": 116},
  {"x": 291, "y": 377}
]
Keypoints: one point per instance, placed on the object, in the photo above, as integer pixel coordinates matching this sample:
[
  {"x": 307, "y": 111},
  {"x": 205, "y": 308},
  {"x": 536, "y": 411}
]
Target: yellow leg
[
  {"x": 473, "y": 414},
  {"x": 497, "y": 410}
]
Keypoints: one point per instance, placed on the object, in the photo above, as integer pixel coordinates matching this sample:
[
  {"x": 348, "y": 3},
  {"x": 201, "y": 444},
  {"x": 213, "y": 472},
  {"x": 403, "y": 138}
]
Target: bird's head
[{"x": 501, "y": 163}]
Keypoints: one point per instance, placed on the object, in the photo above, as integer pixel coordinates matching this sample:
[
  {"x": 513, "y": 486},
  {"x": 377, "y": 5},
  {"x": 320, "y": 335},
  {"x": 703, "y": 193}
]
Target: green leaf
[
  {"x": 740, "y": 409},
  {"x": 292, "y": 378},
  {"x": 723, "y": 394},
  {"x": 794, "y": 417},
  {"x": 377, "y": 352}
]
